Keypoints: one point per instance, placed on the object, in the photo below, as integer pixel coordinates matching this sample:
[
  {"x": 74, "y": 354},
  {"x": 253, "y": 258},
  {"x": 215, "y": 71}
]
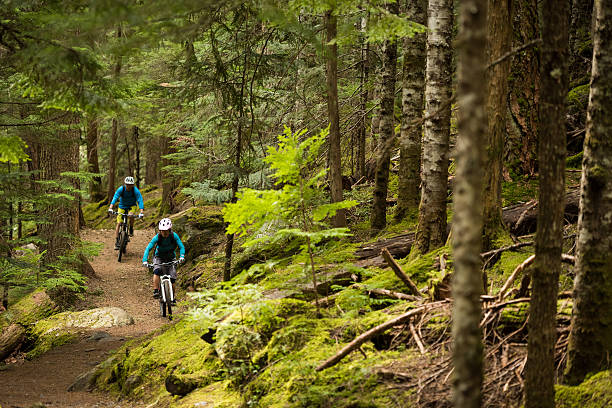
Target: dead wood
[
  {"x": 400, "y": 272},
  {"x": 389, "y": 293},
  {"x": 375, "y": 330},
  {"x": 521, "y": 219},
  {"x": 399, "y": 246},
  {"x": 11, "y": 338}
]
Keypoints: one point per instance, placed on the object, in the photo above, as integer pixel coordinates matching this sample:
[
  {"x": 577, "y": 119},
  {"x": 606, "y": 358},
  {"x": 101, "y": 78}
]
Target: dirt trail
[{"x": 44, "y": 381}]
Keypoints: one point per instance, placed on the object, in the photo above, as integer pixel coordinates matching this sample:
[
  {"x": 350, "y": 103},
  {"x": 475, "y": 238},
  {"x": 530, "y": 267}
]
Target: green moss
[
  {"x": 579, "y": 96},
  {"x": 575, "y": 161},
  {"x": 595, "y": 392},
  {"x": 34, "y": 307},
  {"x": 519, "y": 191},
  {"x": 217, "y": 395}
]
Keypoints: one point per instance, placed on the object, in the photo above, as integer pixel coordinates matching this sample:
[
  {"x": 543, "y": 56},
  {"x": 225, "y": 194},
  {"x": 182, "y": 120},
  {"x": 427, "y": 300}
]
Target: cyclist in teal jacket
[
  {"x": 128, "y": 196},
  {"x": 166, "y": 243}
]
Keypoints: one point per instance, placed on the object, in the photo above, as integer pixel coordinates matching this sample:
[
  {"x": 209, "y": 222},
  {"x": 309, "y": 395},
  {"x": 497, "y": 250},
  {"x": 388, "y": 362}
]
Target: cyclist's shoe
[
  {"x": 156, "y": 293},
  {"x": 117, "y": 243},
  {"x": 173, "y": 303},
  {"x": 131, "y": 231}
]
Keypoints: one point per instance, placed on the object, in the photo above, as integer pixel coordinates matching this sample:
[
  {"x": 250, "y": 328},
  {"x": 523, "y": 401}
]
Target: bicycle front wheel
[
  {"x": 167, "y": 290},
  {"x": 121, "y": 244}
]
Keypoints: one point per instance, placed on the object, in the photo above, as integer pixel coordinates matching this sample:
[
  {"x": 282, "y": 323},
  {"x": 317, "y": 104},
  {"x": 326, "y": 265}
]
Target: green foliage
[{"x": 297, "y": 203}]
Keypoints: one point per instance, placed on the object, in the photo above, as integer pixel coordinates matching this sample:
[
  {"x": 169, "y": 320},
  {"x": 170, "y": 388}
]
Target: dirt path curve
[{"x": 43, "y": 382}]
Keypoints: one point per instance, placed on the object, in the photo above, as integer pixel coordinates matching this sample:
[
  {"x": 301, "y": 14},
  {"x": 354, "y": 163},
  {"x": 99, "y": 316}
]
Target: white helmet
[
  {"x": 129, "y": 180},
  {"x": 165, "y": 224}
]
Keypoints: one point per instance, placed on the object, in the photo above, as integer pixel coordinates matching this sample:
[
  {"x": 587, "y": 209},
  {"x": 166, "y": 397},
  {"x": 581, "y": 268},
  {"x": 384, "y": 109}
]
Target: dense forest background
[{"x": 451, "y": 129}]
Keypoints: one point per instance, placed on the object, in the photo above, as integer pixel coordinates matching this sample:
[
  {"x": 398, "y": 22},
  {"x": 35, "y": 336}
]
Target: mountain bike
[
  {"x": 124, "y": 236},
  {"x": 166, "y": 293}
]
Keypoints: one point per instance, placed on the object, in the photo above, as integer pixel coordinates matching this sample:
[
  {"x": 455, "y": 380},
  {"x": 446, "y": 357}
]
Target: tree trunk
[
  {"x": 93, "y": 166},
  {"x": 431, "y": 231},
  {"x": 112, "y": 161},
  {"x": 128, "y": 152},
  {"x": 590, "y": 342},
  {"x": 152, "y": 157},
  {"x": 412, "y": 110},
  {"x": 499, "y": 27},
  {"x": 468, "y": 218},
  {"x": 523, "y": 83},
  {"x": 167, "y": 205},
  {"x": 360, "y": 160},
  {"x": 335, "y": 156},
  {"x": 540, "y": 370},
  {"x": 57, "y": 156},
  {"x": 580, "y": 40},
  {"x": 378, "y": 220},
  {"x": 135, "y": 137}
]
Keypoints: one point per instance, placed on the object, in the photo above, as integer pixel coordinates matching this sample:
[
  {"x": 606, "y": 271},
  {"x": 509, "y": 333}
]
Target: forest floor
[{"x": 43, "y": 382}]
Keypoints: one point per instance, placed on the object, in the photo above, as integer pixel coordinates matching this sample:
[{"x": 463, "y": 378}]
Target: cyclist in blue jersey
[
  {"x": 166, "y": 243},
  {"x": 128, "y": 196}
]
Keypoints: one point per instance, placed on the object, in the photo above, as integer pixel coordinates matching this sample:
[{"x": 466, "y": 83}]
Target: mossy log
[
  {"x": 521, "y": 218},
  {"x": 370, "y": 254},
  {"x": 10, "y": 339}
]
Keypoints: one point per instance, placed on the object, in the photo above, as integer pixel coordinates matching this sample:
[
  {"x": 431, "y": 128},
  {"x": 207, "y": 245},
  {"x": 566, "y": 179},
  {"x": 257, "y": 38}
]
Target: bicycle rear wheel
[
  {"x": 167, "y": 290},
  {"x": 121, "y": 245}
]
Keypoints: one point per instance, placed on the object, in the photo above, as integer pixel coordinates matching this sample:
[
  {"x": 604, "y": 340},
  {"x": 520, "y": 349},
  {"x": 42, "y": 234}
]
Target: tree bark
[
  {"x": 378, "y": 220},
  {"x": 56, "y": 156},
  {"x": 523, "y": 83},
  {"x": 112, "y": 161},
  {"x": 431, "y": 231},
  {"x": 167, "y": 205},
  {"x": 580, "y": 38},
  {"x": 540, "y": 374},
  {"x": 467, "y": 197},
  {"x": 590, "y": 342},
  {"x": 360, "y": 161},
  {"x": 413, "y": 79},
  {"x": 335, "y": 157},
  {"x": 93, "y": 166},
  {"x": 135, "y": 139},
  {"x": 499, "y": 28},
  {"x": 152, "y": 160}
]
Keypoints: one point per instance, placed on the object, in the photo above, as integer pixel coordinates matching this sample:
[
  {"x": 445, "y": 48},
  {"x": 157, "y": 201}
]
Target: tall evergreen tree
[
  {"x": 431, "y": 231},
  {"x": 539, "y": 378},
  {"x": 467, "y": 198},
  {"x": 378, "y": 219},
  {"x": 590, "y": 342},
  {"x": 499, "y": 28},
  {"x": 335, "y": 154},
  {"x": 413, "y": 80}
]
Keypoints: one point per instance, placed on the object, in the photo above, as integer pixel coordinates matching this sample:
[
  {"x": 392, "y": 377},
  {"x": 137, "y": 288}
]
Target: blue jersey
[
  {"x": 166, "y": 247},
  {"x": 128, "y": 199}
]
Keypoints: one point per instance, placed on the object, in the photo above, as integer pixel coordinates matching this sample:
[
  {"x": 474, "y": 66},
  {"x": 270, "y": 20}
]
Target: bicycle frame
[
  {"x": 124, "y": 237},
  {"x": 166, "y": 292}
]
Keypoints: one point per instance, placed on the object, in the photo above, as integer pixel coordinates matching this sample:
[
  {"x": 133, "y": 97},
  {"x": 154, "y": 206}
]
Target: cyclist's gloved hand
[
  {"x": 141, "y": 216},
  {"x": 181, "y": 260},
  {"x": 145, "y": 264},
  {"x": 110, "y": 210}
]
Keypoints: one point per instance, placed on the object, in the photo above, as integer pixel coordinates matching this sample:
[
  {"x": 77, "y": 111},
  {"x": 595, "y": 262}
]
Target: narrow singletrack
[{"x": 44, "y": 380}]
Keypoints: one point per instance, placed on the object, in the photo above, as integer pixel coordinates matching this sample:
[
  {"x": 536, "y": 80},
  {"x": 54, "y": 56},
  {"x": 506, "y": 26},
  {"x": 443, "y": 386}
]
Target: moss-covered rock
[
  {"x": 63, "y": 328},
  {"x": 595, "y": 392}
]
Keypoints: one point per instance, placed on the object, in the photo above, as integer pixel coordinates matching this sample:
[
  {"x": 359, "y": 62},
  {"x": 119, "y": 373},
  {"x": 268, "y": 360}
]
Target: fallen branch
[
  {"x": 417, "y": 339},
  {"x": 375, "y": 330},
  {"x": 400, "y": 272},
  {"x": 526, "y": 263},
  {"x": 388, "y": 293},
  {"x": 503, "y": 292}
]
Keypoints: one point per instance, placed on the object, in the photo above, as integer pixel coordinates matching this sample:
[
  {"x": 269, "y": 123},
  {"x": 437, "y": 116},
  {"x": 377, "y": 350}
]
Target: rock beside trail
[
  {"x": 63, "y": 327},
  {"x": 93, "y": 318}
]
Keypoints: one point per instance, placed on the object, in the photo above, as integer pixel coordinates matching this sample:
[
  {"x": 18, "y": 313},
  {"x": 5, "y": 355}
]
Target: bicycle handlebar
[{"x": 127, "y": 215}]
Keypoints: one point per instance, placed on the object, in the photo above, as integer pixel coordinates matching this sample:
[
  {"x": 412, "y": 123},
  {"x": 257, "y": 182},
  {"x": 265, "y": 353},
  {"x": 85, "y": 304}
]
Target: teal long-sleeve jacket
[{"x": 166, "y": 247}]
